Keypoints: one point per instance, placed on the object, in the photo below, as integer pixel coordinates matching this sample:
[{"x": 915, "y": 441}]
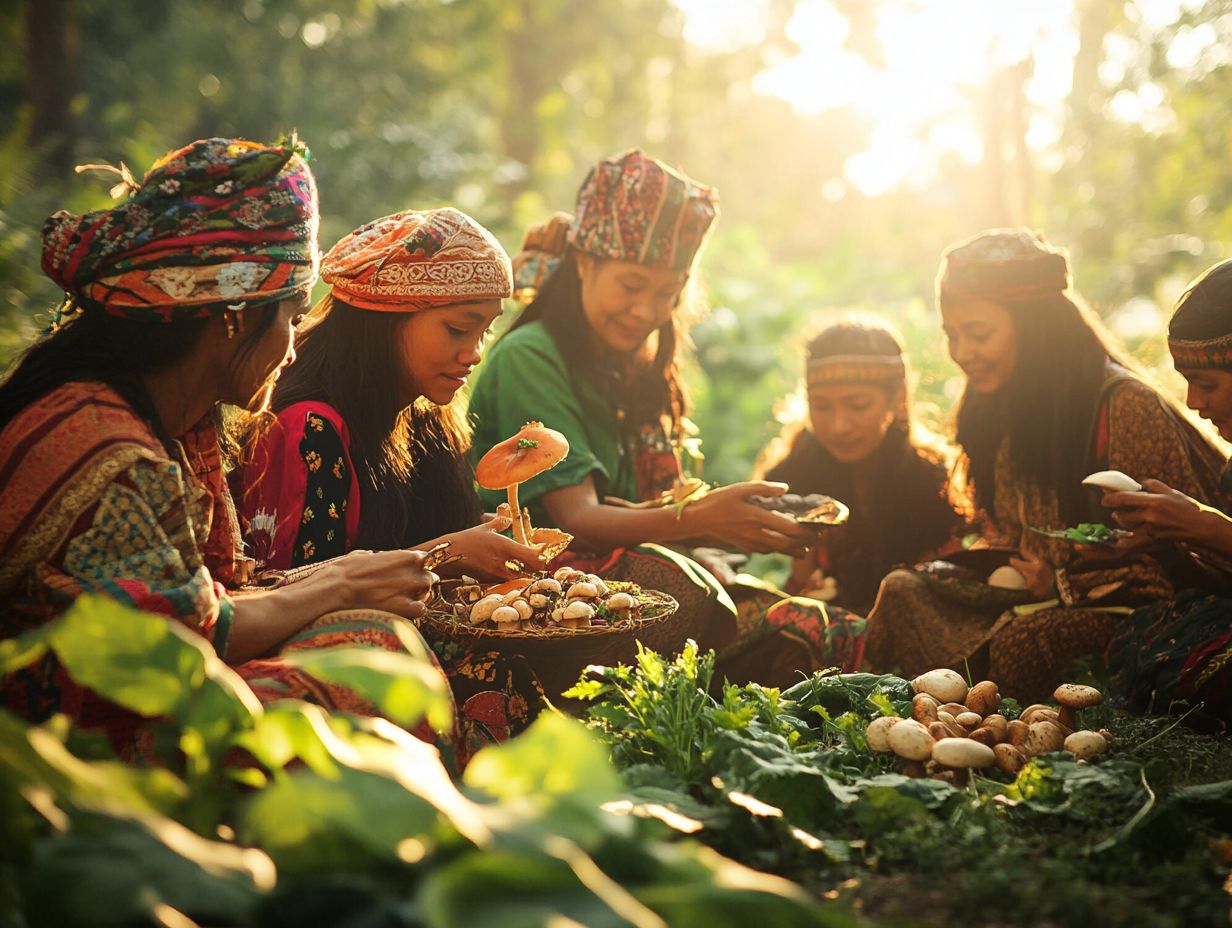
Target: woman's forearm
[{"x": 263, "y": 619}]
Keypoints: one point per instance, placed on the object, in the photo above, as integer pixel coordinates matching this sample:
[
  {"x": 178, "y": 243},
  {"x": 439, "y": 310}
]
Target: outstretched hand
[
  {"x": 726, "y": 515},
  {"x": 486, "y": 554}
]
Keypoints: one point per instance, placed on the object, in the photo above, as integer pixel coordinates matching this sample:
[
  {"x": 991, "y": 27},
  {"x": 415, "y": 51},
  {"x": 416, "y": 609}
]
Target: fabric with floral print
[{"x": 218, "y": 223}]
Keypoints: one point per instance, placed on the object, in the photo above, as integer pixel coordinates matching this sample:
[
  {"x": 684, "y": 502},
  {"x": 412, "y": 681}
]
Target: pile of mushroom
[
  {"x": 568, "y": 598},
  {"x": 955, "y": 729}
]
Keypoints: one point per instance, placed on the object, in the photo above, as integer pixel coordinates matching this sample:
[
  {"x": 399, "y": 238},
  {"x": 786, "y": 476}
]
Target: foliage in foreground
[
  {"x": 290, "y": 815},
  {"x": 785, "y": 782}
]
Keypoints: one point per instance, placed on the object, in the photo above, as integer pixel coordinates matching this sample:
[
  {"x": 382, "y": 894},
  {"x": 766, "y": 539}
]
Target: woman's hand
[
  {"x": 392, "y": 581},
  {"x": 1038, "y": 573},
  {"x": 487, "y": 554},
  {"x": 726, "y": 515},
  {"x": 1161, "y": 513}
]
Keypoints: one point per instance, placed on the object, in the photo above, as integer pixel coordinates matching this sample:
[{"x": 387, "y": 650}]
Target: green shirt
[{"x": 524, "y": 378}]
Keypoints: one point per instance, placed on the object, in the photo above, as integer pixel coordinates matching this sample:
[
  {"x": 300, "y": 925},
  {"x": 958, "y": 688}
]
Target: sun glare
[{"x": 922, "y": 97}]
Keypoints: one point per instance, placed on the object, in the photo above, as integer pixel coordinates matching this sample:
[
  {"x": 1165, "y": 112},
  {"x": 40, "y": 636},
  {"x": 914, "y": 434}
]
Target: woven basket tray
[{"x": 560, "y": 654}]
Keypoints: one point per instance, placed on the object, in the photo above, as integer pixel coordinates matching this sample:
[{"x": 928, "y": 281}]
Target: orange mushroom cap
[{"x": 534, "y": 449}]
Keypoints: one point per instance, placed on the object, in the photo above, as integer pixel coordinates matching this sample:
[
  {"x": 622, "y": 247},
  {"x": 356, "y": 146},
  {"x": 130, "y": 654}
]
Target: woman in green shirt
[{"x": 596, "y": 356}]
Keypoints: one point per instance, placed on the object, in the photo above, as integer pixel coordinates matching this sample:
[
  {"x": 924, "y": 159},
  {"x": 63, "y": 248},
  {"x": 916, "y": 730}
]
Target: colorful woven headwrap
[
  {"x": 1003, "y": 266},
  {"x": 417, "y": 259},
  {"x": 219, "y": 223},
  {"x": 631, "y": 207},
  {"x": 1200, "y": 332}
]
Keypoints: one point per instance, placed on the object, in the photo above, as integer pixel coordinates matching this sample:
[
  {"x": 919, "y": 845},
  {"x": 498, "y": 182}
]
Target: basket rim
[{"x": 665, "y": 607}]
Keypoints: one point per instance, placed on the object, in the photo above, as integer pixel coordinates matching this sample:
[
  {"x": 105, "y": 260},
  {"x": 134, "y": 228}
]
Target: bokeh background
[{"x": 851, "y": 141}]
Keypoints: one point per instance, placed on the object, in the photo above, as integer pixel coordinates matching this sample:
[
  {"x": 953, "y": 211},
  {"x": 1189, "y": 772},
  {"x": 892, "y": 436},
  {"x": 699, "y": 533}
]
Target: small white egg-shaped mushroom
[
  {"x": 910, "y": 740},
  {"x": 946, "y": 685},
  {"x": 582, "y": 590},
  {"x": 544, "y": 585},
  {"x": 504, "y": 615},
  {"x": 1084, "y": 744},
  {"x": 562, "y": 574},
  {"x": 878, "y": 732},
  {"x": 963, "y": 753},
  {"x": 537, "y": 601},
  {"x": 1006, "y": 577},
  {"x": 558, "y": 614},
  {"x": 579, "y": 610},
  {"x": 482, "y": 610},
  {"x": 620, "y": 602},
  {"x": 598, "y": 583},
  {"x": 525, "y": 610}
]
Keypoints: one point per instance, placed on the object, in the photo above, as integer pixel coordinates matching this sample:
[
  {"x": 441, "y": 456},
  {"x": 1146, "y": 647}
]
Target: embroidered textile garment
[
  {"x": 91, "y": 502},
  {"x": 416, "y": 259},
  {"x": 219, "y": 222},
  {"x": 914, "y": 627},
  {"x": 301, "y": 503}
]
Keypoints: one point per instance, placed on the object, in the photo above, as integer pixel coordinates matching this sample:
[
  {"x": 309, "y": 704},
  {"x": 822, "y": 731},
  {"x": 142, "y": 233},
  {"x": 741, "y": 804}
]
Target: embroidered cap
[{"x": 416, "y": 259}]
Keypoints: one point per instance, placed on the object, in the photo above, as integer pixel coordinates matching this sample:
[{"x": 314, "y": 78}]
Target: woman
[
  {"x": 596, "y": 355},
  {"x": 1176, "y": 655},
  {"x": 369, "y": 448},
  {"x": 1047, "y": 401},
  {"x": 183, "y": 297},
  {"x": 861, "y": 446}
]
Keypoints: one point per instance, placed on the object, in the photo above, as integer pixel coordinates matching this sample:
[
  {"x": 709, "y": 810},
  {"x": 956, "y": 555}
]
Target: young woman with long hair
[
  {"x": 1176, "y": 655},
  {"x": 859, "y": 444},
  {"x": 596, "y": 355},
  {"x": 1047, "y": 401},
  {"x": 181, "y": 298},
  {"x": 369, "y": 450}
]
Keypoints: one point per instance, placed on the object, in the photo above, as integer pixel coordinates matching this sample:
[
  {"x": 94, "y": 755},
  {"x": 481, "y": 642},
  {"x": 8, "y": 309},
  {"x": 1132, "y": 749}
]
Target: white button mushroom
[
  {"x": 878, "y": 732},
  {"x": 1007, "y": 578},
  {"x": 620, "y": 602},
  {"x": 525, "y": 610},
  {"x": 482, "y": 610},
  {"x": 1084, "y": 744},
  {"x": 579, "y": 610},
  {"x": 910, "y": 740},
  {"x": 505, "y": 615},
  {"x": 946, "y": 685},
  {"x": 582, "y": 590}
]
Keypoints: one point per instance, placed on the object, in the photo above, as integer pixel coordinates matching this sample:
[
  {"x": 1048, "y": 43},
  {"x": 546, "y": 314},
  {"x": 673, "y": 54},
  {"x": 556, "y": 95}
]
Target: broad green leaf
[
  {"x": 117, "y": 871},
  {"x": 286, "y": 732},
  {"x": 353, "y": 822},
  {"x": 404, "y": 687}
]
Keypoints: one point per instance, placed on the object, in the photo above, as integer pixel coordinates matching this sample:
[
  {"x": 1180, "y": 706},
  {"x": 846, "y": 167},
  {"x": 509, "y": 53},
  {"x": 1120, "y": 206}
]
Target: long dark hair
[
  {"x": 415, "y": 480},
  {"x": 1204, "y": 310},
  {"x": 1047, "y": 406},
  {"x": 906, "y": 514},
  {"x": 653, "y": 393},
  {"x": 95, "y": 346}
]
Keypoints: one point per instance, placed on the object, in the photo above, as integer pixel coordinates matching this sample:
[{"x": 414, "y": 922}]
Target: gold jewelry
[{"x": 233, "y": 320}]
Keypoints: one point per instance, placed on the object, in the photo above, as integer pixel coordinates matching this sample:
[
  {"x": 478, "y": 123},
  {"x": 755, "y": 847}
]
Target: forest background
[{"x": 851, "y": 141}]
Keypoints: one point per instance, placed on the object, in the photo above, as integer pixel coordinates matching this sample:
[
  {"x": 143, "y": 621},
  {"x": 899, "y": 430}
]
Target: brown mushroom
[
  {"x": 961, "y": 755},
  {"x": 1009, "y": 759},
  {"x": 998, "y": 725},
  {"x": 1074, "y": 696},
  {"x": 1018, "y": 731},
  {"x": 924, "y": 708},
  {"x": 983, "y": 698},
  {"x": 1084, "y": 744},
  {"x": 531, "y": 451}
]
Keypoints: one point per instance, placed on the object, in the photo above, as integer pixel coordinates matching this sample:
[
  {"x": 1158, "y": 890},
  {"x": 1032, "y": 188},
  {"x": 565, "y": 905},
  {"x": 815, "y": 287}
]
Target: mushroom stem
[{"x": 519, "y": 529}]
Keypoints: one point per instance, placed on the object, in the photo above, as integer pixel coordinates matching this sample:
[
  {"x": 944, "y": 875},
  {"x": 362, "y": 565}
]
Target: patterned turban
[
  {"x": 219, "y": 223},
  {"x": 1003, "y": 266},
  {"x": 417, "y": 259},
  {"x": 632, "y": 207}
]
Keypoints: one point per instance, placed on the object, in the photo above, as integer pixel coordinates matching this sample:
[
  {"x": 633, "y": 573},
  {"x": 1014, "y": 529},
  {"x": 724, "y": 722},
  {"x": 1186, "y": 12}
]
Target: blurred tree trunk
[
  {"x": 51, "y": 78},
  {"x": 1007, "y": 168},
  {"x": 527, "y": 84}
]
